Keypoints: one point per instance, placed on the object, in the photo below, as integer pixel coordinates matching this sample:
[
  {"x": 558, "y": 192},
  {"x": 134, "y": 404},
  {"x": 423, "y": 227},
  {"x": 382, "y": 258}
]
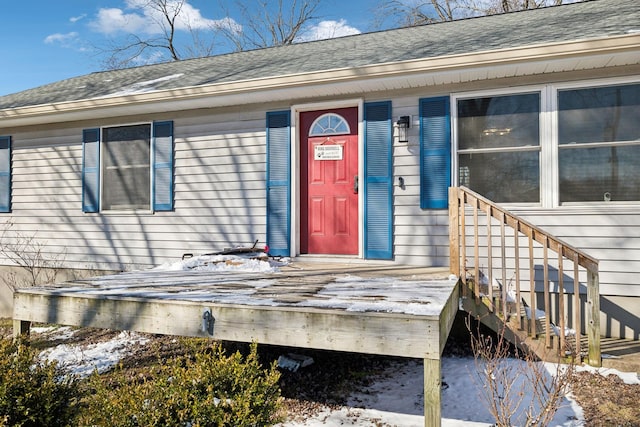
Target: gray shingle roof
[{"x": 591, "y": 19}]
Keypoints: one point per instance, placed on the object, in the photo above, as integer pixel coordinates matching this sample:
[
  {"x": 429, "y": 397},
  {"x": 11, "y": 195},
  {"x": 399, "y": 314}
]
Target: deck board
[{"x": 379, "y": 309}]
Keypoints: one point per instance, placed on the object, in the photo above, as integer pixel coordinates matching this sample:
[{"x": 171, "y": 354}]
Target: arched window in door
[{"x": 329, "y": 124}]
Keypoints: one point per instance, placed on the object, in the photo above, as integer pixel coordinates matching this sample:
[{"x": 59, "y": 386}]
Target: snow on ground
[
  {"x": 394, "y": 398},
  {"x": 83, "y": 360}
]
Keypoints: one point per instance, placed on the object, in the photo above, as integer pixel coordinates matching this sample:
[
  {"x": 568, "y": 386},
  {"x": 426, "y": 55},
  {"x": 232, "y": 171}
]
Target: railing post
[
  {"x": 562, "y": 348},
  {"x": 577, "y": 317},
  {"x": 547, "y": 296},
  {"x": 454, "y": 231},
  {"x": 593, "y": 318},
  {"x": 532, "y": 290},
  {"x": 492, "y": 305}
]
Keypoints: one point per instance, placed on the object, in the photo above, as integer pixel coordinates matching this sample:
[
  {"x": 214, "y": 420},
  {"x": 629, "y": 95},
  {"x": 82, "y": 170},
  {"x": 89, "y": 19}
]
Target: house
[{"x": 344, "y": 147}]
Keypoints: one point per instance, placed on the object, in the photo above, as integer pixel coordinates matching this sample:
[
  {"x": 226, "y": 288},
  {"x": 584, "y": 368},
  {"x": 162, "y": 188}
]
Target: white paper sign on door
[{"x": 327, "y": 152}]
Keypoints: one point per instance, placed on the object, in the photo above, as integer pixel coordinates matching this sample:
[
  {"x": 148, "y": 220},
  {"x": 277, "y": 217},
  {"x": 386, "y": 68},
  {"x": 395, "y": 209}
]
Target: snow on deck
[{"x": 241, "y": 281}]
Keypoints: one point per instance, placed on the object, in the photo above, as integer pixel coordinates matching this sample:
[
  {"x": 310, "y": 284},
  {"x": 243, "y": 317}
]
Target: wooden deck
[{"x": 366, "y": 308}]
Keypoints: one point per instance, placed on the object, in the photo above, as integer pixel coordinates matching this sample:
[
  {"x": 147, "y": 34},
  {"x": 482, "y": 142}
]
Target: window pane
[
  {"x": 329, "y": 124},
  {"x": 599, "y": 174},
  {"x": 499, "y": 121},
  {"x": 502, "y": 177},
  {"x": 601, "y": 114},
  {"x": 126, "y": 167}
]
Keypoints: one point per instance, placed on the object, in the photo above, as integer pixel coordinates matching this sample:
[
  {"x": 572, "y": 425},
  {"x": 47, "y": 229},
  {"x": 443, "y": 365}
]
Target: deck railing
[{"x": 493, "y": 248}]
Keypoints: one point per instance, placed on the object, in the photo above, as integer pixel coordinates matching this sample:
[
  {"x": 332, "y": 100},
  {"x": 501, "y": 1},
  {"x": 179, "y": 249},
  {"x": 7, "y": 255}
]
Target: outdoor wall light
[{"x": 403, "y": 123}]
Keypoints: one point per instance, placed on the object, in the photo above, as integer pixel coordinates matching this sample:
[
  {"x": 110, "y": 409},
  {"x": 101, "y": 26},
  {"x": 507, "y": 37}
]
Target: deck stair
[{"x": 522, "y": 281}]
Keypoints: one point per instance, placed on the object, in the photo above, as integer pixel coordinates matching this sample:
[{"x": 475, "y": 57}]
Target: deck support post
[
  {"x": 593, "y": 318},
  {"x": 21, "y": 328},
  {"x": 432, "y": 392}
]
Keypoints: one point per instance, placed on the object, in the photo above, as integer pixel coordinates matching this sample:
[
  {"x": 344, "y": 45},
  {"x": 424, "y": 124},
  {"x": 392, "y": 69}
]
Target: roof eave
[{"x": 297, "y": 85}]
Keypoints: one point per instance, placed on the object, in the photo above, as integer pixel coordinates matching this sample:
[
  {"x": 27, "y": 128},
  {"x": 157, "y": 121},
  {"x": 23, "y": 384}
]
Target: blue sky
[{"x": 44, "y": 41}]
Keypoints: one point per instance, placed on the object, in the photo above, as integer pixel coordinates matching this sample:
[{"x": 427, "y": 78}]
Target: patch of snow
[
  {"x": 222, "y": 263},
  {"x": 384, "y": 294},
  {"x": 83, "y": 360},
  {"x": 627, "y": 377},
  {"x": 143, "y": 86}
]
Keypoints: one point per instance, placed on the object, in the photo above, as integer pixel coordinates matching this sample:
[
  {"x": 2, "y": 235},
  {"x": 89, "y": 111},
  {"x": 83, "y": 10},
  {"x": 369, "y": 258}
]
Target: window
[
  {"x": 126, "y": 176},
  {"x": 329, "y": 124},
  {"x": 499, "y": 146},
  {"x": 556, "y": 145},
  {"x": 128, "y": 168},
  {"x": 599, "y": 144}
]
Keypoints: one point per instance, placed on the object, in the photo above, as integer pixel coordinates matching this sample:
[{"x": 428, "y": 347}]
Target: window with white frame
[
  {"x": 499, "y": 146},
  {"x": 592, "y": 146},
  {"x": 599, "y": 144}
]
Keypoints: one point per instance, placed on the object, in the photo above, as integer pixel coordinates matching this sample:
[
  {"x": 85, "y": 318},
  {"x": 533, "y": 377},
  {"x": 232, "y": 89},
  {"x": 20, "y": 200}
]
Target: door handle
[{"x": 355, "y": 184}]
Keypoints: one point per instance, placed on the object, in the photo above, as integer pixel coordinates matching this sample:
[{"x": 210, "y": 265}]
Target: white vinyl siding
[
  {"x": 421, "y": 236},
  {"x": 219, "y": 197}
]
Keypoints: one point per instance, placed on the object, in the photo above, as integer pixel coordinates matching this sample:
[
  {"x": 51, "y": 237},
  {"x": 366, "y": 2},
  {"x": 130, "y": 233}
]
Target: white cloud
[
  {"x": 113, "y": 20},
  {"x": 140, "y": 16},
  {"x": 75, "y": 19},
  {"x": 62, "y": 39},
  {"x": 328, "y": 30}
]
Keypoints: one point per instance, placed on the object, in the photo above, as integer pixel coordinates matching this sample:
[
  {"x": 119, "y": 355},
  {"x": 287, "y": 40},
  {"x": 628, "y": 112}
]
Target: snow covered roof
[{"x": 581, "y": 21}]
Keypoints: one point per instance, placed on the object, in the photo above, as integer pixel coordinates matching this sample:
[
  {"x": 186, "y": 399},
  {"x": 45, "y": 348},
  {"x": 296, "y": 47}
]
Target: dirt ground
[{"x": 606, "y": 401}]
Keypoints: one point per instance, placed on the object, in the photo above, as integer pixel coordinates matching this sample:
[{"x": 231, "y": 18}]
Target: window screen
[{"x": 126, "y": 169}]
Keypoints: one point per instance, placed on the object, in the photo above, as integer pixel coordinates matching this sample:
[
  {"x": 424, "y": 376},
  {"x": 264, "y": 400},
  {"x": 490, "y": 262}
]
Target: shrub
[
  {"x": 517, "y": 388},
  {"x": 34, "y": 392},
  {"x": 205, "y": 389}
]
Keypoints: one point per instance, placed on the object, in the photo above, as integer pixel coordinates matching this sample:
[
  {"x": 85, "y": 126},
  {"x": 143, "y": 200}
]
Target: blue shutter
[
  {"x": 5, "y": 174},
  {"x": 162, "y": 166},
  {"x": 278, "y": 182},
  {"x": 435, "y": 152},
  {"x": 378, "y": 181},
  {"x": 91, "y": 170}
]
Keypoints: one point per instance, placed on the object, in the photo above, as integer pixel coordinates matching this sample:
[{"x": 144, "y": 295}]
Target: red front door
[{"x": 329, "y": 190}]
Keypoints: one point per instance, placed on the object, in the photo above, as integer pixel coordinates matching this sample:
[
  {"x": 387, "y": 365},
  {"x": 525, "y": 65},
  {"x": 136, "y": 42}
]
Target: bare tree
[
  {"x": 173, "y": 36},
  {"x": 406, "y": 14},
  {"x": 270, "y": 24},
  {"x": 125, "y": 53}
]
